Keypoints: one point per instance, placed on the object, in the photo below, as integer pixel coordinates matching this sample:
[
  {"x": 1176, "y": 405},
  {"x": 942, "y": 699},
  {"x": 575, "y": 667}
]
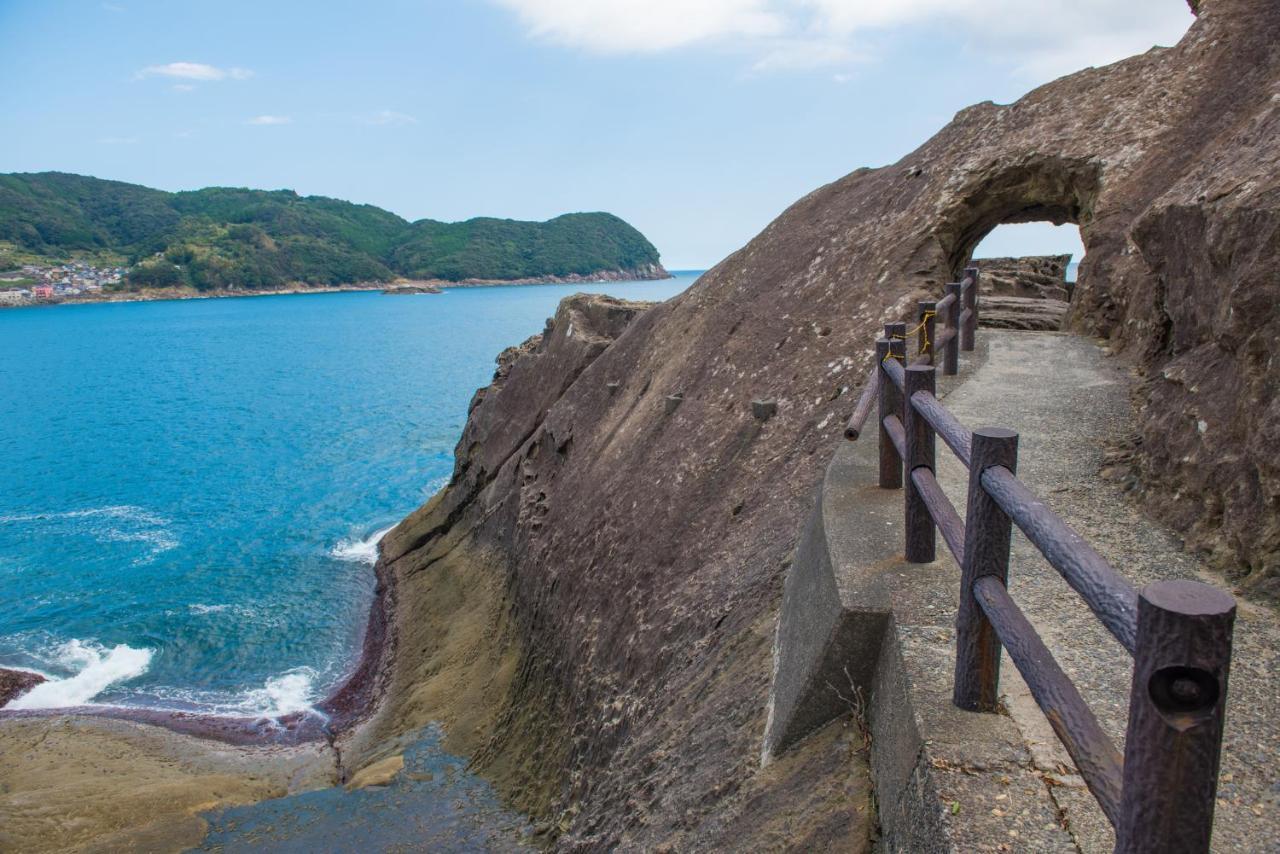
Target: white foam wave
[
  {"x": 293, "y": 691},
  {"x": 123, "y": 523},
  {"x": 95, "y": 668},
  {"x": 201, "y": 608},
  {"x": 358, "y": 550},
  {"x": 128, "y": 512}
]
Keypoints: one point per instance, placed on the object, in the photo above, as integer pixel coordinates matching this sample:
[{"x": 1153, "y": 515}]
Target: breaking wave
[
  {"x": 94, "y": 669},
  {"x": 360, "y": 550}
]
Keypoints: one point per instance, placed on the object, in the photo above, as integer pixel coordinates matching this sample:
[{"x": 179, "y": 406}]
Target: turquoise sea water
[{"x": 192, "y": 491}]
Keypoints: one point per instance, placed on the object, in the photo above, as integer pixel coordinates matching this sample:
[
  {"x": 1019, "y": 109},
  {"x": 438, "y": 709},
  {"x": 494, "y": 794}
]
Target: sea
[{"x": 192, "y": 492}]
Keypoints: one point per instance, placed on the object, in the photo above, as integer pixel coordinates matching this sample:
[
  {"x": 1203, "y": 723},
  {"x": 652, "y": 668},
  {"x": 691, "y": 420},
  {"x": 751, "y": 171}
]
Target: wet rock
[
  {"x": 15, "y": 683},
  {"x": 379, "y": 773}
]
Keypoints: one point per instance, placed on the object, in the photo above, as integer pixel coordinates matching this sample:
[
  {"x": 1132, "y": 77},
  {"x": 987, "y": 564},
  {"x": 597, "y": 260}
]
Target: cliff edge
[{"x": 619, "y": 522}]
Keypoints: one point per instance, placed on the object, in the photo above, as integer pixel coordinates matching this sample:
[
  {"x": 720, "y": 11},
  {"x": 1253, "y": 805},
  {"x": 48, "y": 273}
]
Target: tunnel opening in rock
[
  {"x": 1016, "y": 221},
  {"x": 1027, "y": 240},
  {"x": 1040, "y": 192}
]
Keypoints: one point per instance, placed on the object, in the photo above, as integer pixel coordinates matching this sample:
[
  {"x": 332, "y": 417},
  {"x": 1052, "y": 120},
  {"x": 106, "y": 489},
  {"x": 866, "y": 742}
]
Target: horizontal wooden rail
[
  {"x": 866, "y": 401},
  {"x": 893, "y": 368},
  {"x": 897, "y": 434},
  {"x": 1098, "y": 760},
  {"x": 941, "y": 509},
  {"x": 1111, "y": 597},
  {"x": 1160, "y": 796},
  {"x": 946, "y": 425}
]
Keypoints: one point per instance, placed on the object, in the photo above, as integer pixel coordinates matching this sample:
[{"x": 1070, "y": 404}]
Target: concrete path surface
[{"x": 1070, "y": 403}]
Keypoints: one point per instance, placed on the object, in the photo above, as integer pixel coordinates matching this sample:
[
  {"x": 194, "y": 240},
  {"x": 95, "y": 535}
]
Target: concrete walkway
[{"x": 1069, "y": 403}]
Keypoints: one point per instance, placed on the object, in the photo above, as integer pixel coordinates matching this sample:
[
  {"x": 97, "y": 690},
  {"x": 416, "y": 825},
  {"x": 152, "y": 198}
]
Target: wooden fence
[{"x": 1160, "y": 794}]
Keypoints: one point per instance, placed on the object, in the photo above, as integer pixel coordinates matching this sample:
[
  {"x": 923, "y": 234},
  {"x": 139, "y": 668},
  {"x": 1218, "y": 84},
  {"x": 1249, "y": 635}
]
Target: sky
[{"x": 697, "y": 121}]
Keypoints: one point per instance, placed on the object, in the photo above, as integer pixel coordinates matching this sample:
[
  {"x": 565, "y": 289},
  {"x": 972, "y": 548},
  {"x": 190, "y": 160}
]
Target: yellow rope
[
  {"x": 924, "y": 320},
  {"x": 922, "y": 326}
]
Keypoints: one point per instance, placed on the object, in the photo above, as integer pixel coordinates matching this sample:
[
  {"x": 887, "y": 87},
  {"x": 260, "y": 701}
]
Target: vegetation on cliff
[{"x": 227, "y": 238}]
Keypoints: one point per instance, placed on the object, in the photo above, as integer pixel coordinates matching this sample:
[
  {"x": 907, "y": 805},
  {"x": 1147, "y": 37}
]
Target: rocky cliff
[{"x": 624, "y": 521}]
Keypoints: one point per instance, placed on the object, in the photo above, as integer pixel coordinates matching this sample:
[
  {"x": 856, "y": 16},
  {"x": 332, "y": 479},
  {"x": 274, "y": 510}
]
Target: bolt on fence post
[
  {"x": 987, "y": 533},
  {"x": 927, "y": 309},
  {"x": 951, "y": 357},
  {"x": 1176, "y": 709},
  {"x": 922, "y": 539},
  {"x": 890, "y": 462}
]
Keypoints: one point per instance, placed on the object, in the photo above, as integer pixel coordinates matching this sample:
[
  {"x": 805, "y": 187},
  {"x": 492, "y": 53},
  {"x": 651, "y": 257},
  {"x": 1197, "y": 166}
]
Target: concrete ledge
[{"x": 859, "y": 626}]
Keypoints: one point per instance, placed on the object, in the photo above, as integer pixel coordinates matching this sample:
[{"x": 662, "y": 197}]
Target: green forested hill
[{"x": 221, "y": 237}]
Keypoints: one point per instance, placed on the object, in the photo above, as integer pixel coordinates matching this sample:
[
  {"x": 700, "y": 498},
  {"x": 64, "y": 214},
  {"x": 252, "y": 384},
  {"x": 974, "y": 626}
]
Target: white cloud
[
  {"x": 389, "y": 118},
  {"x": 1040, "y": 40},
  {"x": 609, "y": 26},
  {"x": 805, "y": 54},
  {"x": 195, "y": 71},
  {"x": 269, "y": 120}
]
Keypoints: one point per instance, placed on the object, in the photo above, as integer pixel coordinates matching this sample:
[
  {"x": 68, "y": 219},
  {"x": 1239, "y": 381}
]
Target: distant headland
[{"x": 73, "y": 237}]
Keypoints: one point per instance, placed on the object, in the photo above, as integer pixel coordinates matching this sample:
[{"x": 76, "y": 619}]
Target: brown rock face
[
  {"x": 15, "y": 683},
  {"x": 1032, "y": 277},
  {"x": 643, "y": 546},
  {"x": 1029, "y": 313}
]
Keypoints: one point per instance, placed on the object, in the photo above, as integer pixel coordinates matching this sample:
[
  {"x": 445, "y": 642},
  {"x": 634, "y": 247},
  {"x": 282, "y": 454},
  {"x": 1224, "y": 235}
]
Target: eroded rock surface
[
  {"x": 640, "y": 548},
  {"x": 1029, "y": 313},
  {"x": 1031, "y": 277}
]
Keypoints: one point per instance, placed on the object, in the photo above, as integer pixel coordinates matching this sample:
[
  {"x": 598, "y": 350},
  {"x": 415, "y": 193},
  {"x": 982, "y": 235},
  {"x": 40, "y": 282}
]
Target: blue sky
[{"x": 698, "y": 121}]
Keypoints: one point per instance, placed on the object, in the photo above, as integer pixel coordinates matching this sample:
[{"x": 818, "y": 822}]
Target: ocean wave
[
  {"x": 201, "y": 608},
  {"x": 360, "y": 550},
  {"x": 289, "y": 693},
  {"x": 122, "y": 523},
  {"x": 293, "y": 691},
  {"x": 94, "y": 667}
]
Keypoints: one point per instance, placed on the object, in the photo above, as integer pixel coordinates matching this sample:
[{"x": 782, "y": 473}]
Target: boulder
[{"x": 15, "y": 683}]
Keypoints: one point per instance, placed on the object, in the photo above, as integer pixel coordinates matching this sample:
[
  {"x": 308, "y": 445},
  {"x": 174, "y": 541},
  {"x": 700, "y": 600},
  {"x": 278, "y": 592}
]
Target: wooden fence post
[
  {"x": 987, "y": 533},
  {"x": 922, "y": 539},
  {"x": 968, "y": 325},
  {"x": 973, "y": 274},
  {"x": 890, "y": 403},
  {"x": 951, "y": 357},
  {"x": 928, "y": 310},
  {"x": 1176, "y": 711}
]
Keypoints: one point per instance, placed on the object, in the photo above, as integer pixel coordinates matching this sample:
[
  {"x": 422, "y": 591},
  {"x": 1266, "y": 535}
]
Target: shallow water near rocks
[
  {"x": 433, "y": 804},
  {"x": 192, "y": 491}
]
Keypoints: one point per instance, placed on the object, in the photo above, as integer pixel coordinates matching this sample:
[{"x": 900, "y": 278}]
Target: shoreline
[
  {"x": 353, "y": 699},
  {"x": 178, "y": 294}
]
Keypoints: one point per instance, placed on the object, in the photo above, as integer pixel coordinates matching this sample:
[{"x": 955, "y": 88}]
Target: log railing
[{"x": 1160, "y": 794}]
